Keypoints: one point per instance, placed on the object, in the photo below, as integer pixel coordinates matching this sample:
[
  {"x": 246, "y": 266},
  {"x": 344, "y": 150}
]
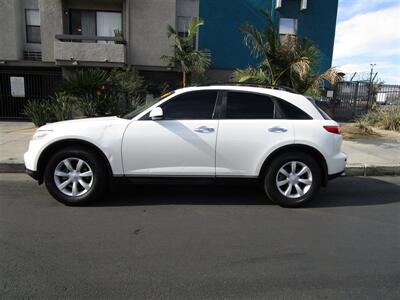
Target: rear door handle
[
  {"x": 204, "y": 129},
  {"x": 277, "y": 129}
]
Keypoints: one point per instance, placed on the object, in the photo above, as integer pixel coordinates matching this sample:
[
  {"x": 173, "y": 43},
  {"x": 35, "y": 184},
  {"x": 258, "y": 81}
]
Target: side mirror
[{"x": 157, "y": 114}]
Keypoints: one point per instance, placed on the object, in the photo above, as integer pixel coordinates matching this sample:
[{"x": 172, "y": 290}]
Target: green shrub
[
  {"x": 100, "y": 93},
  {"x": 364, "y": 126},
  {"x": 128, "y": 88},
  {"x": 87, "y": 86},
  {"x": 390, "y": 119},
  {"x": 385, "y": 118},
  {"x": 39, "y": 112},
  {"x": 61, "y": 106}
]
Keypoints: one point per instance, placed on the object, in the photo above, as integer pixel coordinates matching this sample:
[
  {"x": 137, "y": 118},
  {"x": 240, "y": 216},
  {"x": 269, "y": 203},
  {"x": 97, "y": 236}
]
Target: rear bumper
[
  {"x": 336, "y": 164},
  {"x": 339, "y": 174}
]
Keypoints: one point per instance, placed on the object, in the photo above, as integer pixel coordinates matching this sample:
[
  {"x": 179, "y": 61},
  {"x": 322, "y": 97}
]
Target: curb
[
  {"x": 373, "y": 170},
  {"x": 351, "y": 169},
  {"x": 12, "y": 168}
]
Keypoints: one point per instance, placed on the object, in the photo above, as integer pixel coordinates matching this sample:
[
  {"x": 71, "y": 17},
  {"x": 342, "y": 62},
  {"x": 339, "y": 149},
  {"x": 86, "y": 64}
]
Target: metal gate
[
  {"x": 37, "y": 85},
  {"x": 351, "y": 99}
]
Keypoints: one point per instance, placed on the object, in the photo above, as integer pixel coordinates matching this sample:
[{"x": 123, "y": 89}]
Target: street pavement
[{"x": 197, "y": 242}]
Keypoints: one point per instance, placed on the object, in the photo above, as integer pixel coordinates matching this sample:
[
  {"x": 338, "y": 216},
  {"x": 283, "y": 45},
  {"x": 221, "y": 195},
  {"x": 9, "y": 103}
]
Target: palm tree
[
  {"x": 287, "y": 61},
  {"x": 185, "y": 55}
]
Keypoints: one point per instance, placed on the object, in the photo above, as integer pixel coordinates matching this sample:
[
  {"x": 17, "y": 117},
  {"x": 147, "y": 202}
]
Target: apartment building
[
  {"x": 314, "y": 19},
  {"x": 42, "y": 40}
]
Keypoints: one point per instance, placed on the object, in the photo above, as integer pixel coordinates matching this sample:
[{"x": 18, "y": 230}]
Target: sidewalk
[
  {"x": 367, "y": 156},
  {"x": 14, "y": 141}
]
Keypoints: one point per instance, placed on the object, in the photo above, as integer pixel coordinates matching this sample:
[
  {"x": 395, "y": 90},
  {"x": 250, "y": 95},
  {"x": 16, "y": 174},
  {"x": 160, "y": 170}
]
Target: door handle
[
  {"x": 204, "y": 129},
  {"x": 277, "y": 129}
]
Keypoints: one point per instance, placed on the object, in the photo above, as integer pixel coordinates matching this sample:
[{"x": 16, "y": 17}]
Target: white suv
[{"x": 279, "y": 138}]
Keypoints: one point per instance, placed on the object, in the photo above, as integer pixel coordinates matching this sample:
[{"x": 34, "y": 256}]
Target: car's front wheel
[
  {"x": 292, "y": 179},
  {"x": 75, "y": 176}
]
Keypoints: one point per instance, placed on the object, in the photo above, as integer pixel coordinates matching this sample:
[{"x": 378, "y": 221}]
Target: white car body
[{"x": 227, "y": 148}]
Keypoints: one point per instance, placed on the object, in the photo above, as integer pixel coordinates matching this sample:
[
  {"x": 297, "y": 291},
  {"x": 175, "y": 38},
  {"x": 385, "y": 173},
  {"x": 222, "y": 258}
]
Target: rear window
[
  {"x": 289, "y": 111},
  {"x": 320, "y": 110}
]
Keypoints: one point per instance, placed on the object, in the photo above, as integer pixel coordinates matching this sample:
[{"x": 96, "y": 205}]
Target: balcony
[{"x": 102, "y": 51}]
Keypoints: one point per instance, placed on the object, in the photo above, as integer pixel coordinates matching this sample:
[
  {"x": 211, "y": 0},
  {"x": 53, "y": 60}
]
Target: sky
[{"x": 368, "y": 32}]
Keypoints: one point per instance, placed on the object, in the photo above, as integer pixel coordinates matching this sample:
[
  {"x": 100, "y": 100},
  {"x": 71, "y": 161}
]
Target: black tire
[
  {"x": 99, "y": 179},
  {"x": 270, "y": 180}
]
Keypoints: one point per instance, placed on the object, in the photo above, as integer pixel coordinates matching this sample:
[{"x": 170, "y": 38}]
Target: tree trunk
[{"x": 184, "y": 79}]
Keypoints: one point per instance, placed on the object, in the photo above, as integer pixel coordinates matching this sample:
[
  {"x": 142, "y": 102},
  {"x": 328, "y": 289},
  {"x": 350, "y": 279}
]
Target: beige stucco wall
[
  {"x": 89, "y": 52},
  {"x": 11, "y": 30},
  {"x": 148, "y": 38},
  {"x": 187, "y": 8},
  {"x": 50, "y": 25}
]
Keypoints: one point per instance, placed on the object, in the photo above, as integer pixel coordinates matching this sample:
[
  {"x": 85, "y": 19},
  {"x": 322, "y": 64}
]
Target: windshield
[
  {"x": 139, "y": 110},
  {"x": 145, "y": 106}
]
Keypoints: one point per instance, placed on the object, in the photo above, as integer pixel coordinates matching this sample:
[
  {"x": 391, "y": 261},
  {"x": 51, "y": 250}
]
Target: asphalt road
[{"x": 194, "y": 242}]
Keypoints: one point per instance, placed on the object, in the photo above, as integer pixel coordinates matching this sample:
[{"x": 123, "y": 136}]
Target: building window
[
  {"x": 288, "y": 26},
  {"x": 182, "y": 26},
  {"x": 32, "y": 21},
  {"x": 95, "y": 23}
]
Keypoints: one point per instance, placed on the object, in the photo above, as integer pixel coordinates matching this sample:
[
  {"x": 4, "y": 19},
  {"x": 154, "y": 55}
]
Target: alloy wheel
[
  {"x": 294, "y": 179},
  {"x": 73, "y": 177}
]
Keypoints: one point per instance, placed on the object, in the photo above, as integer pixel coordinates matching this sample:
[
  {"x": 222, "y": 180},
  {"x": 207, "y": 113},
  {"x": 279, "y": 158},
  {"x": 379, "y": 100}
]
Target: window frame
[
  {"x": 185, "y": 33},
  {"x": 28, "y": 41},
  {"x": 279, "y": 112},
  {"x": 215, "y": 114},
  {"x": 95, "y": 17},
  {"x": 224, "y": 106},
  {"x": 295, "y": 26}
]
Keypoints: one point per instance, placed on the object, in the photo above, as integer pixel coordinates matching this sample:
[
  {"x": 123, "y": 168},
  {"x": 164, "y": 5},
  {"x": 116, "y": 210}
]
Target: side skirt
[{"x": 185, "y": 180}]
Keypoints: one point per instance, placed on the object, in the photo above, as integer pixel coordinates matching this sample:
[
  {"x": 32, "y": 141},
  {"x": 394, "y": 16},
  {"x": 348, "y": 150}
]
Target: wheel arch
[
  {"x": 300, "y": 148},
  {"x": 54, "y": 147}
]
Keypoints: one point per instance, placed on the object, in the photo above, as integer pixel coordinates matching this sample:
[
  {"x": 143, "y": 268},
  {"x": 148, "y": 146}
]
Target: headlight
[{"x": 41, "y": 134}]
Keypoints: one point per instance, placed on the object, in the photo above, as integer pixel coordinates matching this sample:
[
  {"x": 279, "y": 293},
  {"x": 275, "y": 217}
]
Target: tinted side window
[
  {"x": 289, "y": 111},
  {"x": 248, "y": 106},
  {"x": 192, "y": 105}
]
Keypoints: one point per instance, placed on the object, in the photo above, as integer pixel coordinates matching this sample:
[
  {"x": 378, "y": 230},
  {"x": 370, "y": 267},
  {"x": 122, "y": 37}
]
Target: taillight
[{"x": 332, "y": 129}]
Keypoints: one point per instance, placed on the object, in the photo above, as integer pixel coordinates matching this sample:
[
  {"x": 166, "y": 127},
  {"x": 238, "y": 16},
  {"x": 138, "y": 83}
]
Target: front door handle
[
  {"x": 277, "y": 129},
  {"x": 204, "y": 129}
]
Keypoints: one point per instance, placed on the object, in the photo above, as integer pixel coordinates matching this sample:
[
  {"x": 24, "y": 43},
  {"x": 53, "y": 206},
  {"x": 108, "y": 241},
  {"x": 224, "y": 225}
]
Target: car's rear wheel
[
  {"x": 75, "y": 176},
  {"x": 292, "y": 179}
]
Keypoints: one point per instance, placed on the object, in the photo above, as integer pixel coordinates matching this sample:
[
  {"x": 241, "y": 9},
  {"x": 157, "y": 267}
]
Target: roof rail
[{"x": 253, "y": 84}]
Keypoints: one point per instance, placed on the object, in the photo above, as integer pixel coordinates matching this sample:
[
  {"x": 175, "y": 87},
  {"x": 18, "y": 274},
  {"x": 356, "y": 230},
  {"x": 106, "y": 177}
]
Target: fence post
[{"x": 355, "y": 100}]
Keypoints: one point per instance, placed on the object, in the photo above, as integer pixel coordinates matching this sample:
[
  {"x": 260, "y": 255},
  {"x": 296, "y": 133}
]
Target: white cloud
[
  {"x": 374, "y": 33},
  {"x": 387, "y": 71},
  {"x": 371, "y": 37},
  {"x": 350, "y": 8}
]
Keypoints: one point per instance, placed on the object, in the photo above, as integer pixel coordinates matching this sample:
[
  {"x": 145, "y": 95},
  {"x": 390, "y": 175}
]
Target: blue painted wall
[{"x": 223, "y": 18}]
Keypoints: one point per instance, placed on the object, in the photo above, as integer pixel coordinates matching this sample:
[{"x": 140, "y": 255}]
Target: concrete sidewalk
[
  {"x": 367, "y": 156},
  {"x": 14, "y": 141}
]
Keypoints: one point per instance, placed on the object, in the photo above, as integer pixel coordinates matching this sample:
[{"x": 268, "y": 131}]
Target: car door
[
  {"x": 181, "y": 144},
  {"x": 248, "y": 131}
]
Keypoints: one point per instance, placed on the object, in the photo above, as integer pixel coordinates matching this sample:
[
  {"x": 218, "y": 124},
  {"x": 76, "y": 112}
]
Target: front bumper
[{"x": 33, "y": 174}]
